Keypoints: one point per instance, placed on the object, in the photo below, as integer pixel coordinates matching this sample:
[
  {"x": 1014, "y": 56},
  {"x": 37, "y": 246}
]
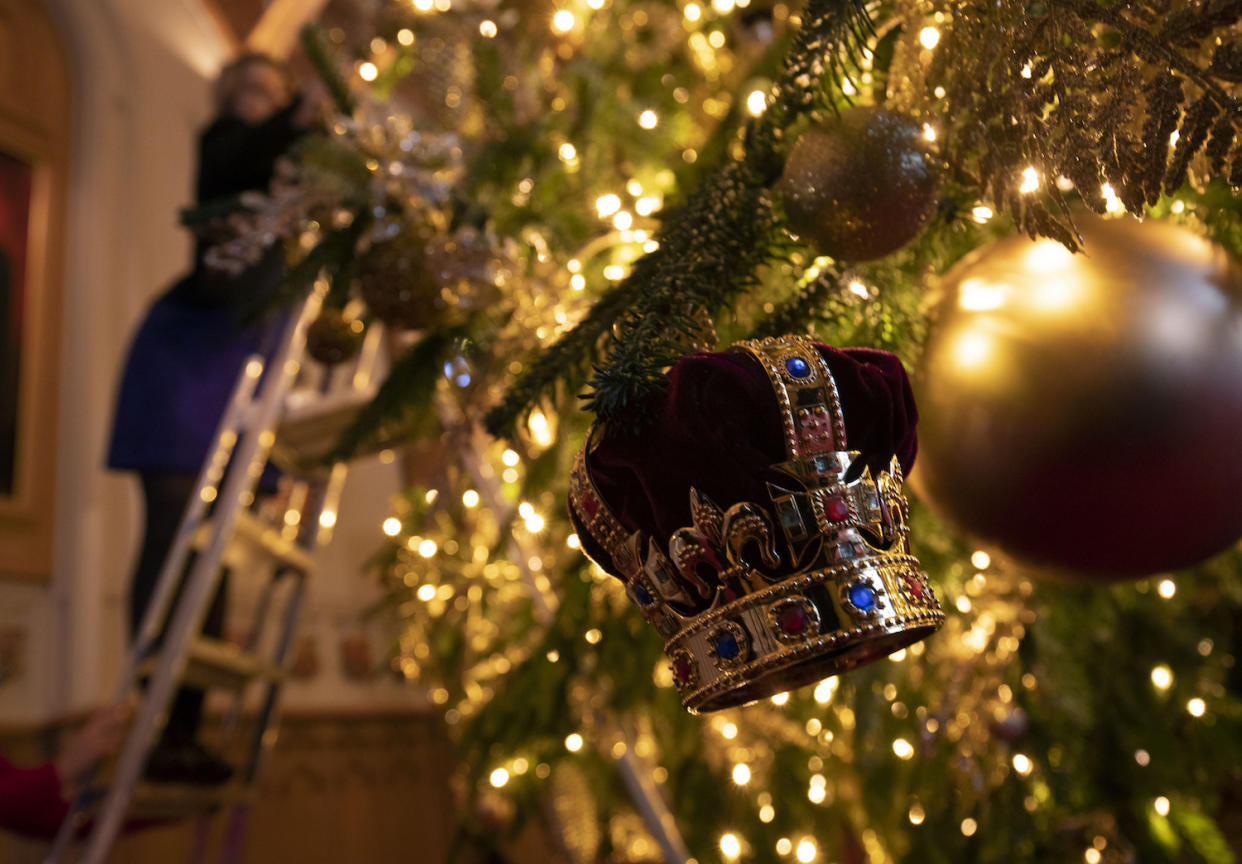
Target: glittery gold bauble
[
  {"x": 332, "y": 338},
  {"x": 397, "y": 285},
  {"x": 1081, "y": 412},
  {"x": 861, "y": 186}
]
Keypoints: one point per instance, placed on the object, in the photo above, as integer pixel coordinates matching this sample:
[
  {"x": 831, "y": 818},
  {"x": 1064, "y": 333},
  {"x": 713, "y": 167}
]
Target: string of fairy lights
[{"x": 991, "y": 620}]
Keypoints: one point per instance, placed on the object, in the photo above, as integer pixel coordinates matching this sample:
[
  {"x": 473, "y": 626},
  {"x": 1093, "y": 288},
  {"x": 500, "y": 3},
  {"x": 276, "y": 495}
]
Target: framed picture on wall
[
  {"x": 16, "y": 178},
  {"x": 34, "y": 159}
]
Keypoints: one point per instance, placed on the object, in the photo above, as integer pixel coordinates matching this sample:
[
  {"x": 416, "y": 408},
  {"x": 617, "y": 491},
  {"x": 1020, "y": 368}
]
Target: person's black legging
[{"x": 165, "y": 497}]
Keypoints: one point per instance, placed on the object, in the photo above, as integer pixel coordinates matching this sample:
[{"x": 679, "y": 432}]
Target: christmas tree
[{"x": 560, "y": 200}]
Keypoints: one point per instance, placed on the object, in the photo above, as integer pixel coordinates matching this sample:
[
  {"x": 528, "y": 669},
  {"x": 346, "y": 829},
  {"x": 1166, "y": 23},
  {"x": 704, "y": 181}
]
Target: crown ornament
[{"x": 755, "y": 597}]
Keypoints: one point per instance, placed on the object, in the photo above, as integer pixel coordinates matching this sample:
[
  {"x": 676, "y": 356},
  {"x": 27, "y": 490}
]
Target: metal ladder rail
[
  {"x": 242, "y": 472},
  {"x": 263, "y": 735}
]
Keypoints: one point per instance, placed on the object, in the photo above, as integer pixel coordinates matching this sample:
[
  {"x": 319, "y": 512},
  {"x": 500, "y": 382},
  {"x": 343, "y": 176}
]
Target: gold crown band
[
  {"x": 588, "y": 504},
  {"x": 790, "y": 641},
  {"x": 805, "y": 391}
]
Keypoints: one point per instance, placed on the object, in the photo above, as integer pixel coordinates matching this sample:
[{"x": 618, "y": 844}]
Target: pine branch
[
  {"x": 320, "y": 56},
  {"x": 792, "y": 314},
  {"x": 404, "y": 399},
  {"x": 707, "y": 253},
  {"x": 330, "y": 254}
]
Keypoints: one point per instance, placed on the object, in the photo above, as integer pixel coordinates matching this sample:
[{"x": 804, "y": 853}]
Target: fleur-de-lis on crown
[
  {"x": 835, "y": 495},
  {"x": 713, "y": 554}
]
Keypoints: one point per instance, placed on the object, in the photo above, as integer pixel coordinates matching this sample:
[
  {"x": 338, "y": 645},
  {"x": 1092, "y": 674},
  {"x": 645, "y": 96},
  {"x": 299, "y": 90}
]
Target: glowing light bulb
[
  {"x": 623, "y": 221},
  {"x": 567, "y": 152},
  {"x": 969, "y": 827},
  {"x": 573, "y": 742},
  {"x": 1022, "y": 764},
  {"x": 1111, "y": 202},
  {"x": 859, "y": 289},
  {"x": 728, "y": 731},
  {"x": 981, "y": 214},
  {"x": 730, "y": 846},
  {"x": 1030, "y": 180},
  {"x": 368, "y": 71},
  {"x": 535, "y": 523},
  {"x": 606, "y": 205},
  {"x": 1162, "y": 677},
  {"x": 1142, "y": 757},
  {"x": 426, "y": 592},
  {"x": 648, "y": 119},
  {"x": 1091, "y": 856},
  {"x": 693, "y": 12},
  {"x": 510, "y": 458},
  {"x": 1161, "y": 805},
  {"x": 540, "y": 429},
  {"x": 780, "y": 698},
  {"x": 741, "y": 773},
  {"x": 929, "y": 37},
  {"x": 784, "y": 846},
  {"x": 824, "y": 690},
  {"x": 756, "y": 102},
  {"x": 903, "y": 748},
  {"x": 929, "y": 132},
  {"x": 427, "y": 548},
  {"x": 392, "y": 526},
  {"x": 917, "y": 814},
  {"x": 1167, "y": 588},
  {"x": 767, "y": 813},
  {"x": 470, "y": 498},
  {"x": 647, "y": 205},
  {"x": 573, "y": 542},
  {"x": 487, "y": 28},
  {"x": 806, "y": 851},
  {"x": 1196, "y": 707},
  {"x": 980, "y": 559},
  {"x": 563, "y": 21},
  {"x": 499, "y": 777}
]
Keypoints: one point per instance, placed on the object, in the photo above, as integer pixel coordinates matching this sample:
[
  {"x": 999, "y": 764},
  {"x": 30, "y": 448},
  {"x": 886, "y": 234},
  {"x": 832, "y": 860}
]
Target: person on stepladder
[{"x": 186, "y": 357}]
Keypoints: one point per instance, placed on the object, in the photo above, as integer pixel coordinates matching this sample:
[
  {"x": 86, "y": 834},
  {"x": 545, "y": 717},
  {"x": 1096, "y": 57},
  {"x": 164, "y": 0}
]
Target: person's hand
[
  {"x": 100, "y": 737},
  {"x": 311, "y": 105}
]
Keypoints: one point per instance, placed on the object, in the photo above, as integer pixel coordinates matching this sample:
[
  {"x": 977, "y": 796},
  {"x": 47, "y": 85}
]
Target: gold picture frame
[{"x": 34, "y": 143}]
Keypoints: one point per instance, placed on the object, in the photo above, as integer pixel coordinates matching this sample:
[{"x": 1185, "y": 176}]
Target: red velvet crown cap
[{"x": 718, "y": 429}]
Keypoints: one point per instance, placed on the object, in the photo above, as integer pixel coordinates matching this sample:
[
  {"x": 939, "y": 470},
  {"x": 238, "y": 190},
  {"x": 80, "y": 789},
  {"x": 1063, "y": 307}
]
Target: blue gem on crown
[
  {"x": 862, "y": 596},
  {"x": 797, "y": 367},
  {"x": 726, "y": 646}
]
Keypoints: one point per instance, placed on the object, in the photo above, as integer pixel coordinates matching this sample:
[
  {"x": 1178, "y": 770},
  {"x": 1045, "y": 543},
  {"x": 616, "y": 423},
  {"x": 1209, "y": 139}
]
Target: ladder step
[
  {"x": 311, "y": 425},
  {"x": 251, "y": 534},
  {"x": 171, "y": 801},
  {"x": 215, "y": 663},
  {"x": 177, "y": 800}
]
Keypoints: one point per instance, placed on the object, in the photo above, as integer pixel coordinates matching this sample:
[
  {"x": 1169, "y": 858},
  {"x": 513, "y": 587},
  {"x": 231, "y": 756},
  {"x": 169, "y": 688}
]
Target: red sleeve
[{"x": 30, "y": 800}]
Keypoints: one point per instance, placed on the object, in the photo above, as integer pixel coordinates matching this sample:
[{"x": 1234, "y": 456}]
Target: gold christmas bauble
[
  {"x": 397, "y": 284},
  {"x": 862, "y": 185},
  {"x": 1081, "y": 412}
]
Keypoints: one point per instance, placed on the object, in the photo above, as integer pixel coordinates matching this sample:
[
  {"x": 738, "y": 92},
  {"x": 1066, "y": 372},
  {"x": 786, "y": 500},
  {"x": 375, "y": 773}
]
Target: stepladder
[{"x": 287, "y": 411}]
